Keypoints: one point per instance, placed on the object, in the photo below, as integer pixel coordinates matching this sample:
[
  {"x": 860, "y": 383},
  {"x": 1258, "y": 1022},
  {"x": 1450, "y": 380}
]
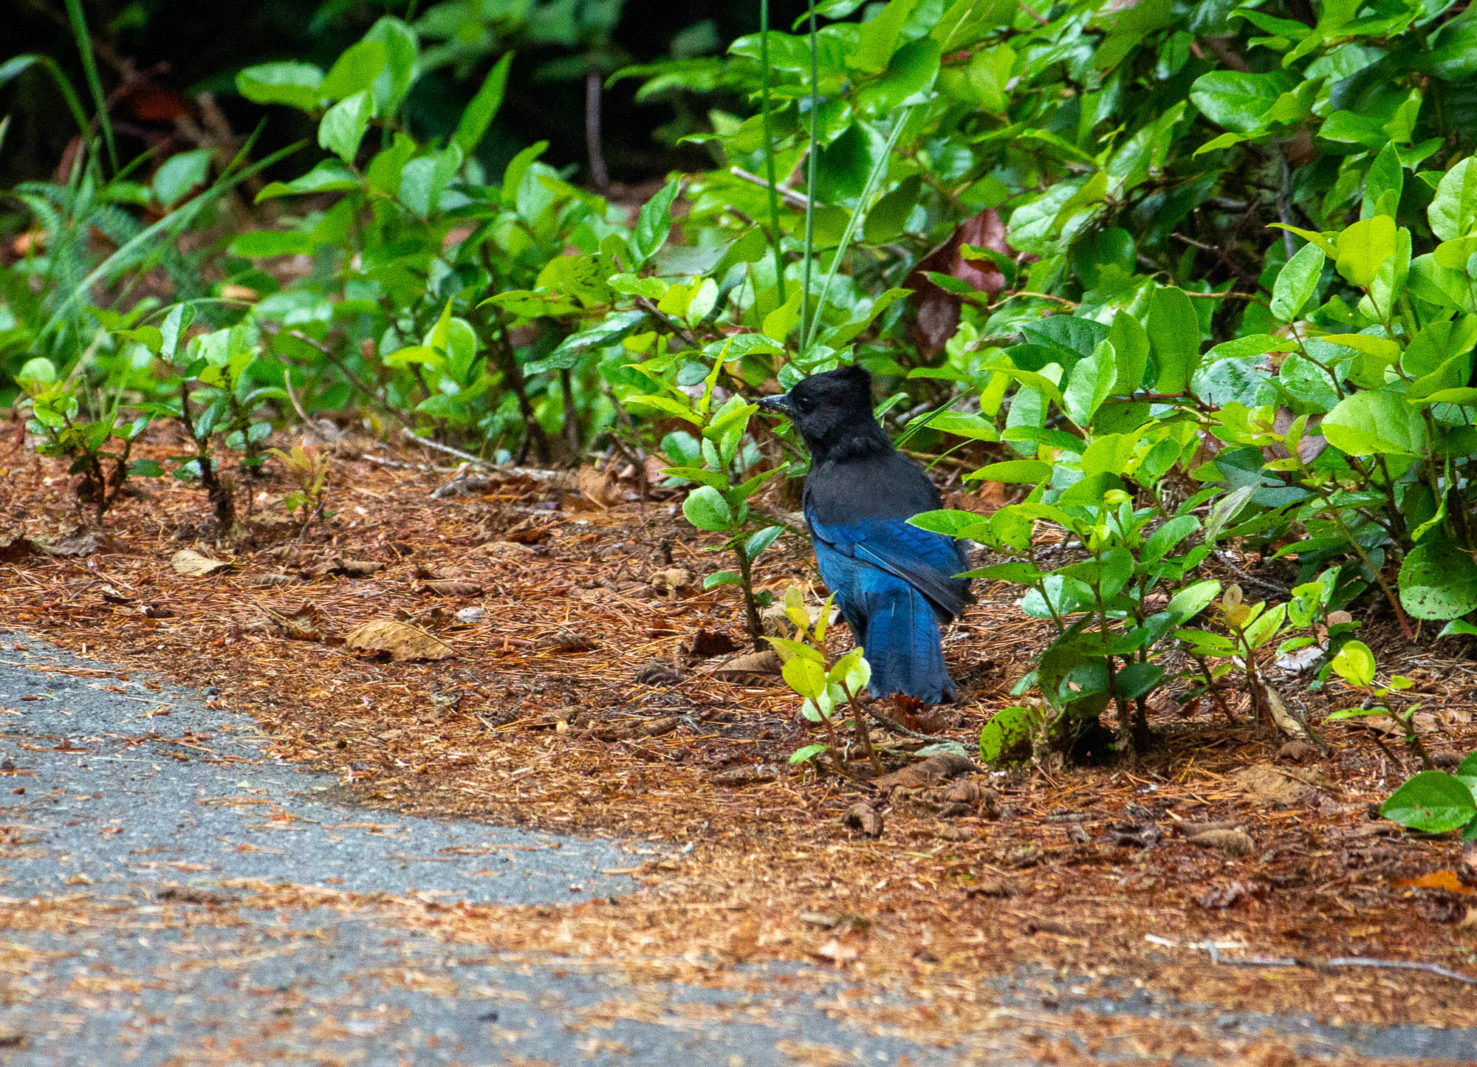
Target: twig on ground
[{"x": 1213, "y": 948}]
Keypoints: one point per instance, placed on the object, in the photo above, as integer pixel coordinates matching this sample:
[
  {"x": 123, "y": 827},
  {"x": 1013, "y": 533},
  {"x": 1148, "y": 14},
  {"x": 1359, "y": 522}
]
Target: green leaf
[
  {"x": 38, "y": 370},
  {"x": 425, "y": 178},
  {"x": 807, "y": 753},
  {"x": 329, "y": 176},
  {"x": 293, "y": 84},
  {"x": 1238, "y": 100},
  {"x": 1432, "y": 802},
  {"x": 401, "y": 48},
  {"x": 1364, "y": 247},
  {"x": 805, "y": 676},
  {"x": 706, "y": 509},
  {"x": 654, "y": 223},
  {"x": 1174, "y": 334},
  {"x": 1453, "y": 211},
  {"x": 1438, "y": 581},
  {"x": 179, "y": 174},
  {"x": 1296, "y": 283},
  {"x": 343, "y": 126},
  {"x": 1193, "y": 599},
  {"x": 948, "y": 522},
  {"x": 572, "y": 349},
  {"x": 1089, "y": 384},
  {"x": 479, "y": 114},
  {"x": 880, "y": 36},
  {"x": 1375, "y": 422},
  {"x": 1008, "y": 731},
  {"x": 1355, "y": 664},
  {"x": 755, "y": 545},
  {"x": 713, "y": 581},
  {"x": 1015, "y": 472},
  {"x": 355, "y": 70}
]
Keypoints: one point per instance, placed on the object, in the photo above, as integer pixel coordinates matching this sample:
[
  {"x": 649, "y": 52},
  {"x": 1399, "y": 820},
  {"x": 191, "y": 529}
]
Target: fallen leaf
[
  {"x": 863, "y": 818},
  {"x": 669, "y": 581},
  {"x": 83, "y": 543},
  {"x": 193, "y": 564},
  {"x": 837, "y": 953},
  {"x": 929, "y": 772},
  {"x": 1445, "y": 881},
  {"x": 938, "y": 309},
  {"x": 401, "y": 640},
  {"x": 766, "y": 662},
  {"x": 1231, "y": 842}
]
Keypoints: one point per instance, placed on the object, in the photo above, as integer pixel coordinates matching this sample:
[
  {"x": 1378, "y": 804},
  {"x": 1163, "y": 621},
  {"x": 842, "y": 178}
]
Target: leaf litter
[{"x": 1063, "y": 867}]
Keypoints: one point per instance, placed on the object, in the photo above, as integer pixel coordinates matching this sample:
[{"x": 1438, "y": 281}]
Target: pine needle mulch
[{"x": 580, "y": 693}]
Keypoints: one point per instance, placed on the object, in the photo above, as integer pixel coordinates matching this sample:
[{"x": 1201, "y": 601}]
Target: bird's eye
[{"x": 804, "y": 403}]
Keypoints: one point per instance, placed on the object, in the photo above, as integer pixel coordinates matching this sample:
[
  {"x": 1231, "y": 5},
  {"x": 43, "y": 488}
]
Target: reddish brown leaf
[{"x": 938, "y": 309}]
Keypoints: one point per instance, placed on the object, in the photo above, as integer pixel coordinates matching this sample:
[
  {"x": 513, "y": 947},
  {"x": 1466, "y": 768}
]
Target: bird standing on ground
[{"x": 894, "y": 583}]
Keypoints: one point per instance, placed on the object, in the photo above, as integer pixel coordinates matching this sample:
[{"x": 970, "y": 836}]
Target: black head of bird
[{"x": 832, "y": 411}]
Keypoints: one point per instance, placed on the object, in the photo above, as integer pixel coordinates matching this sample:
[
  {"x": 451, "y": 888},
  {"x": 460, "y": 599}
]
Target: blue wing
[{"x": 894, "y": 583}]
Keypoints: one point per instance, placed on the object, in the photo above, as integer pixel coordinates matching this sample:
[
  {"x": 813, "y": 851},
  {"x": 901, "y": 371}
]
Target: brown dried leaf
[
  {"x": 1231, "y": 842},
  {"x": 82, "y": 543},
  {"x": 766, "y": 662},
  {"x": 352, "y": 568},
  {"x": 193, "y": 564},
  {"x": 452, "y": 587},
  {"x": 669, "y": 581},
  {"x": 600, "y": 488},
  {"x": 931, "y": 771},
  {"x": 708, "y": 643},
  {"x": 863, "y": 818},
  {"x": 401, "y": 640},
  {"x": 632, "y": 728},
  {"x": 566, "y": 641},
  {"x": 1267, "y": 784},
  {"x": 938, "y": 309},
  {"x": 735, "y": 777}
]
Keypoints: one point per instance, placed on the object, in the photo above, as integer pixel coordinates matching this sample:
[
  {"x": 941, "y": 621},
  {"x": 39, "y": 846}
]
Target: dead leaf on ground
[
  {"x": 633, "y": 728},
  {"x": 766, "y": 662},
  {"x": 452, "y": 587},
  {"x": 863, "y": 818},
  {"x": 1445, "y": 881},
  {"x": 1267, "y": 784},
  {"x": 1233, "y": 842},
  {"x": 669, "y": 581},
  {"x": 931, "y": 771},
  {"x": 193, "y": 564},
  {"x": 601, "y": 488},
  {"x": 566, "y": 641},
  {"x": 351, "y": 568},
  {"x": 708, "y": 643},
  {"x": 401, "y": 640},
  {"x": 82, "y": 543}
]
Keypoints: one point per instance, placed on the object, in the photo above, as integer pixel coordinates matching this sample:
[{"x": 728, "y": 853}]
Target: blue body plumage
[{"x": 893, "y": 582}]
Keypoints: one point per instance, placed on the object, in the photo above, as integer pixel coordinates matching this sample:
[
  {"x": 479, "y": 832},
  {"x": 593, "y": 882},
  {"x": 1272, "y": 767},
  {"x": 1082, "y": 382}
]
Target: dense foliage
[{"x": 1181, "y": 272}]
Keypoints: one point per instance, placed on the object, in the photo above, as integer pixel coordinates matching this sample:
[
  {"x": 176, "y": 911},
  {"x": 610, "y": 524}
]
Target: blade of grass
[
  {"x": 863, "y": 205},
  {"x": 176, "y": 221},
  {"x": 774, "y": 200},
  {"x": 78, "y": 19},
  {"x": 12, "y": 68},
  {"x": 815, "y": 99}
]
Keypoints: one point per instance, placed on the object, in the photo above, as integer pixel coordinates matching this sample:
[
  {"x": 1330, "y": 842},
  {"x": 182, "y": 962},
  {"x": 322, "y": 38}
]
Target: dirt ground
[{"x": 582, "y": 688}]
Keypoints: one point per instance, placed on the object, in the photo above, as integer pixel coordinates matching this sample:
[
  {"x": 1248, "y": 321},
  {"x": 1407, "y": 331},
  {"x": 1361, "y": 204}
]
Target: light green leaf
[
  {"x": 1296, "y": 283},
  {"x": 1438, "y": 581},
  {"x": 343, "y": 126},
  {"x": 706, "y": 509},
  {"x": 1453, "y": 211},
  {"x": 1364, "y": 247},
  {"x": 1375, "y": 422},
  {"x": 479, "y": 114},
  {"x": 1355, "y": 664},
  {"x": 1432, "y": 802},
  {"x": 292, "y": 84}
]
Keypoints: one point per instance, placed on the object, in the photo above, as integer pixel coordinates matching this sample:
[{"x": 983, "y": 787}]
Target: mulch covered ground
[{"x": 582, "y": 688}]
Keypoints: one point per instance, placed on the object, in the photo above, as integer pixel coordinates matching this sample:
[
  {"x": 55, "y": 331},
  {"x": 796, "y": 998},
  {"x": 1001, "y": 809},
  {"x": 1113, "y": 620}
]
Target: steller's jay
[{"x": 894, "y": 583}]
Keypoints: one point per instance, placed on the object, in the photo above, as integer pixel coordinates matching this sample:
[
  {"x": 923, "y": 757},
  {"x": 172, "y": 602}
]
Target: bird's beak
[{"x": 780, "y": 403}]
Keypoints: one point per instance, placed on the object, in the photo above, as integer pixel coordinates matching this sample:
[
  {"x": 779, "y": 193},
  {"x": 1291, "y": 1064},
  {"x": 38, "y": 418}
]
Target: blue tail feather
[{"x": 902, "y": 646}]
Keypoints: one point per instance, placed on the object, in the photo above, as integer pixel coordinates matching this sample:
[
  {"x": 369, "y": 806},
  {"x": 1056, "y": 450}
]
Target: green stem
[
  {"x": 874, "y": 179},
  {"x": 815, "y": 100},
  {"x": 774, "y": 198}
]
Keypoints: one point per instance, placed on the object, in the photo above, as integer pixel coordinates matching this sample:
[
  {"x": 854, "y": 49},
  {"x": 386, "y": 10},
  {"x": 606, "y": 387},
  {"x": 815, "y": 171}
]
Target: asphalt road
[{"x": 128, "y": 794}]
